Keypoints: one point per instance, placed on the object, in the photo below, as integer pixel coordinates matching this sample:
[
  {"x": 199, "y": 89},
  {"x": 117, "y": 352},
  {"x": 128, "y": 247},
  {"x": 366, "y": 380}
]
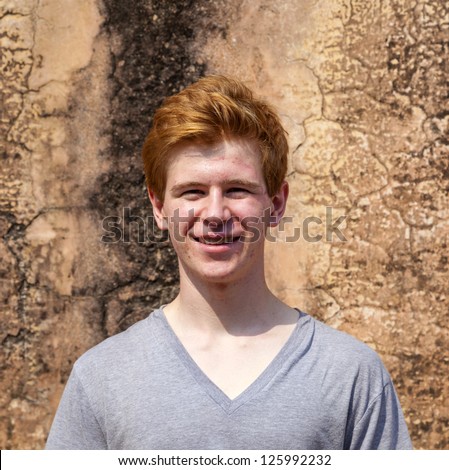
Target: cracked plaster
[
  {"x": 41, "y": 205},
  {"x": 79, "y": 84},
  {"x": 361, "y": 89}
]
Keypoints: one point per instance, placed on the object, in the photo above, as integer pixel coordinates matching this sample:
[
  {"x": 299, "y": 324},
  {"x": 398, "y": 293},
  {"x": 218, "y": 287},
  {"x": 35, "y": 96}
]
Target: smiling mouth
[{"x": 216, "y": 240}]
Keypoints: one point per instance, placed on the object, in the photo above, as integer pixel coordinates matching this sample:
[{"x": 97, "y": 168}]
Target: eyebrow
[
  {"x": 181, "y": 186},
  {"x": 243, "y": 182}
]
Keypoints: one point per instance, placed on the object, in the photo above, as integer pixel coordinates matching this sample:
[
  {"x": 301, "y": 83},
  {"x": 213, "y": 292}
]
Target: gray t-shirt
[{"x": 140, "y": 389}]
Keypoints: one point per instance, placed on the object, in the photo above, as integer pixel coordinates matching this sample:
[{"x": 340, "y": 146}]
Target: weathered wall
[{"x": 362, "y": 88}]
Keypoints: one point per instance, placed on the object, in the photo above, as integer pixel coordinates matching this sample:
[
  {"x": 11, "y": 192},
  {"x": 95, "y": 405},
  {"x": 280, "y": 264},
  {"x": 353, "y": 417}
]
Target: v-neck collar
[{"x": 229, "y": 405}]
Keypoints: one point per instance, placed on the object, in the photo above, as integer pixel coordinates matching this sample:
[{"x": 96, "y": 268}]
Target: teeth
[{"x": 215, "y": 241}]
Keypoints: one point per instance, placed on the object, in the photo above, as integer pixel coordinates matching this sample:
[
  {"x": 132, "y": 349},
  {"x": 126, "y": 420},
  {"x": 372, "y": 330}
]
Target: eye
[
  {"x": 237, "y": 192},
  {"x": 192, "y": 194}
]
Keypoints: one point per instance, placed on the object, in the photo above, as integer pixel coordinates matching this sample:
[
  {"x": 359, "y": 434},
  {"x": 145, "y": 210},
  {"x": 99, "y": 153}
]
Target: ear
[
  {"x": 158, "y": 210},
  {"x": 278, "y": 204}
]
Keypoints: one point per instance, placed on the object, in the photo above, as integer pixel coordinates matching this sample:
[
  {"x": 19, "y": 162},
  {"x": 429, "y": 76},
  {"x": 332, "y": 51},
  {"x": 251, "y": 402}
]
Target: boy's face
[{"x": 217, "y": 209}]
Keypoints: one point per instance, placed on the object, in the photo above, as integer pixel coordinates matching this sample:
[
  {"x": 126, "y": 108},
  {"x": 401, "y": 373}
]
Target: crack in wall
[
  {"x": 68, "y": 281},
  {"x": 360, "y": 70},
  {"x": 380, "y": 72}
]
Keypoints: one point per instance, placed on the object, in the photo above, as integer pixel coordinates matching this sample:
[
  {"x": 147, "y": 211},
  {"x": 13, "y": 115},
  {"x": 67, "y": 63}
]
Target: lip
[{"x": 216, "y": 242}]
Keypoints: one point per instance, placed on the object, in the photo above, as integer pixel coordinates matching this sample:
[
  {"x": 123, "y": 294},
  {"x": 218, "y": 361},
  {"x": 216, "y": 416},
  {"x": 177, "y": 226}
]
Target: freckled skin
[{"x": 221, "y": 187}]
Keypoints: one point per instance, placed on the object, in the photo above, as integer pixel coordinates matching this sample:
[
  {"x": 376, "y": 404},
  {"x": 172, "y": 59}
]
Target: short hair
[{"x": 210, "y": 110}]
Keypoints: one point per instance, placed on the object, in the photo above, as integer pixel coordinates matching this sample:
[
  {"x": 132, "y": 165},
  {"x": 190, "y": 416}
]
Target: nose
[{"x": 217, "y": 210}]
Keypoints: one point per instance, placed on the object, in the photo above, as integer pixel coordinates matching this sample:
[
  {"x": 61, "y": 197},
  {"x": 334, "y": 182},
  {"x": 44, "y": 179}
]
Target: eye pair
[{"x": 200, "y": 192}]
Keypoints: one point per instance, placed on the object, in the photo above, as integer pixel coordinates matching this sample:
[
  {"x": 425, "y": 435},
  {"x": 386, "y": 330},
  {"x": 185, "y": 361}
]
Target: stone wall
[{"x": 362, "y": 89}]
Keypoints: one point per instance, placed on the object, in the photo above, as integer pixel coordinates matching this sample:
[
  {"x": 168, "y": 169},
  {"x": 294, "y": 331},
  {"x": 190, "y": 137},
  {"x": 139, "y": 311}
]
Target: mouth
[{"x": 217, "y": 239}]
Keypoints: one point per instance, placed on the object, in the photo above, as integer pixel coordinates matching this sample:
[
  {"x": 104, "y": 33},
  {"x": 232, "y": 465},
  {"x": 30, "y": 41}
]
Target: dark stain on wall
[{"x": 152, "y": 44}]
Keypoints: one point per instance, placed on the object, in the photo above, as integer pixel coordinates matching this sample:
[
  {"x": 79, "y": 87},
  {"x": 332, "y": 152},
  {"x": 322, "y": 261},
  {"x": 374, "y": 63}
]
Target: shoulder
[
  {"x": 332, "y": 338},
  {"x": 117, "y": 353},
  {"x": 347, "y": 355}
]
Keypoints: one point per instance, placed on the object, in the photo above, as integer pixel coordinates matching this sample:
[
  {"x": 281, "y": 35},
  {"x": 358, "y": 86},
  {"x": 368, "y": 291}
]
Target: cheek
[
  {"x": 180, "y": 219},
  {"x": 254, "y": 231},
  {"x": 248, "y": 207},
  {"x": 254, "y": 214},
  {"x": 254, "y": 228}
]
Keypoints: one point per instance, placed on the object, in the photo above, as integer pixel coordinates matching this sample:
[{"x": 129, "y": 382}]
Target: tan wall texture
[{"x": 362, "y": 88}]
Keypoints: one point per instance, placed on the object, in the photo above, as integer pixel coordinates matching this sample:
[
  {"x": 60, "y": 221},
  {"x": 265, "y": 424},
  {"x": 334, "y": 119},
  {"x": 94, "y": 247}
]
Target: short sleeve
[
  {"x": 75, "y": 425},
  {"x": 382, "y": 426}
]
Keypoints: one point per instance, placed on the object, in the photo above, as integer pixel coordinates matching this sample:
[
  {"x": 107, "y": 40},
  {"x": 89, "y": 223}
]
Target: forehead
[{"x": 229, "y": 155}]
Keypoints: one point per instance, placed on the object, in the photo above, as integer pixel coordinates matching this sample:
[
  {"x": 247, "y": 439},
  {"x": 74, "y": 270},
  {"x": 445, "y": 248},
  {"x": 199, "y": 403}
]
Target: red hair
[{"x": 213, "y": 108}]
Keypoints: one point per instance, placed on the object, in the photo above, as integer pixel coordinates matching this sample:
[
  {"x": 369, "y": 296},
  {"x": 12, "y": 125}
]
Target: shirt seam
[{"x": 373, "y": 401}]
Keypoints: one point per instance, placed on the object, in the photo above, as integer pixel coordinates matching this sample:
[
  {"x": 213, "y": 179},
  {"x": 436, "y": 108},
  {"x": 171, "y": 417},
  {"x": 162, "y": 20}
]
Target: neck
[{"x": 246, "y": 307}]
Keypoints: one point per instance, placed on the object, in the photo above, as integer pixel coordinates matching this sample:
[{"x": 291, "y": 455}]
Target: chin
[
  {"x": 219, "y": 275},
  {"x": 241, "y": 276},
  {"x": 221, "y": 268}
]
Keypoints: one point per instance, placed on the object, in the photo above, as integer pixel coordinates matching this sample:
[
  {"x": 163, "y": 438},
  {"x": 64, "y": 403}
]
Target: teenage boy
[{"x": 226, "y": 365}]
